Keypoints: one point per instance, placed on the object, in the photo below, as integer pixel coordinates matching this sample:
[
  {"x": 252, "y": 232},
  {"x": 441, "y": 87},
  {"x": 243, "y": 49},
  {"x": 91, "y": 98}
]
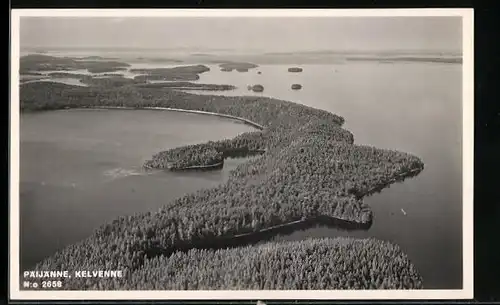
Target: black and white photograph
[{"x": 241, "y": 154}]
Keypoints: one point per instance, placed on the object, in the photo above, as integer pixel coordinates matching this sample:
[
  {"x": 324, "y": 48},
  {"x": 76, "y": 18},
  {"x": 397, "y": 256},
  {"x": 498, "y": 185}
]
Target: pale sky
[{"x": 245, "y": 33}]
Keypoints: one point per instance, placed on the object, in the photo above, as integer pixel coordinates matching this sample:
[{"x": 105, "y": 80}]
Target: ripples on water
[{"x": 116, "y": 173}]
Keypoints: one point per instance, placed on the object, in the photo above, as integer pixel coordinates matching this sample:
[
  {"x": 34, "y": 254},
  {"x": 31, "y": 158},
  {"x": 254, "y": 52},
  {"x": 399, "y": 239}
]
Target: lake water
[
  {"x": 412, "y": 107},
  {"x": 82, "y": 168}
]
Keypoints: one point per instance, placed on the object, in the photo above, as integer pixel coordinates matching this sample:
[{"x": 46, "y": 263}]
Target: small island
[
  {"x": 94, "y": 58},
  {"x": 183, "y": 73},
  {"x": 256, "y": 88},
  {"x": 238, "y": 66},
  {"x": 38, "y": 62}
]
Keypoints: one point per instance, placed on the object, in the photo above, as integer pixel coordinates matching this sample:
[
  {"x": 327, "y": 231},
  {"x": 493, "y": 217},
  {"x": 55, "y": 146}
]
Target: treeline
[{"x": 313, "y": 264}]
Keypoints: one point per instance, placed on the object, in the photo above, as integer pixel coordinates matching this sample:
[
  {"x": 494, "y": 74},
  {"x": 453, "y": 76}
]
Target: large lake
[{"x": 72, "y": 161}]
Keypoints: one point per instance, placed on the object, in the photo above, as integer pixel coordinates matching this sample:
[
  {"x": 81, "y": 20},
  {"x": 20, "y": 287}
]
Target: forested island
[
  {"x": 295, "y": 69},
  {"x": 93, "y": 57},
  {"x": 256, "y": 88},
  {"x": 239, "y": 66},
  {"x": 183, "y": 73},
  {"x": 188, "y": 86},
  {"x": 309, "y": 167}
]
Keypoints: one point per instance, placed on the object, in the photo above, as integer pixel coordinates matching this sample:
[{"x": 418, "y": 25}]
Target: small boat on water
[{"x": 404, "y": 213}]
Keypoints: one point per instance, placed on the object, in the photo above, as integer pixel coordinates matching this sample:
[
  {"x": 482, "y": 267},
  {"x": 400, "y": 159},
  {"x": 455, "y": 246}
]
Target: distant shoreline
[{"x": 299, "y": 57}]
